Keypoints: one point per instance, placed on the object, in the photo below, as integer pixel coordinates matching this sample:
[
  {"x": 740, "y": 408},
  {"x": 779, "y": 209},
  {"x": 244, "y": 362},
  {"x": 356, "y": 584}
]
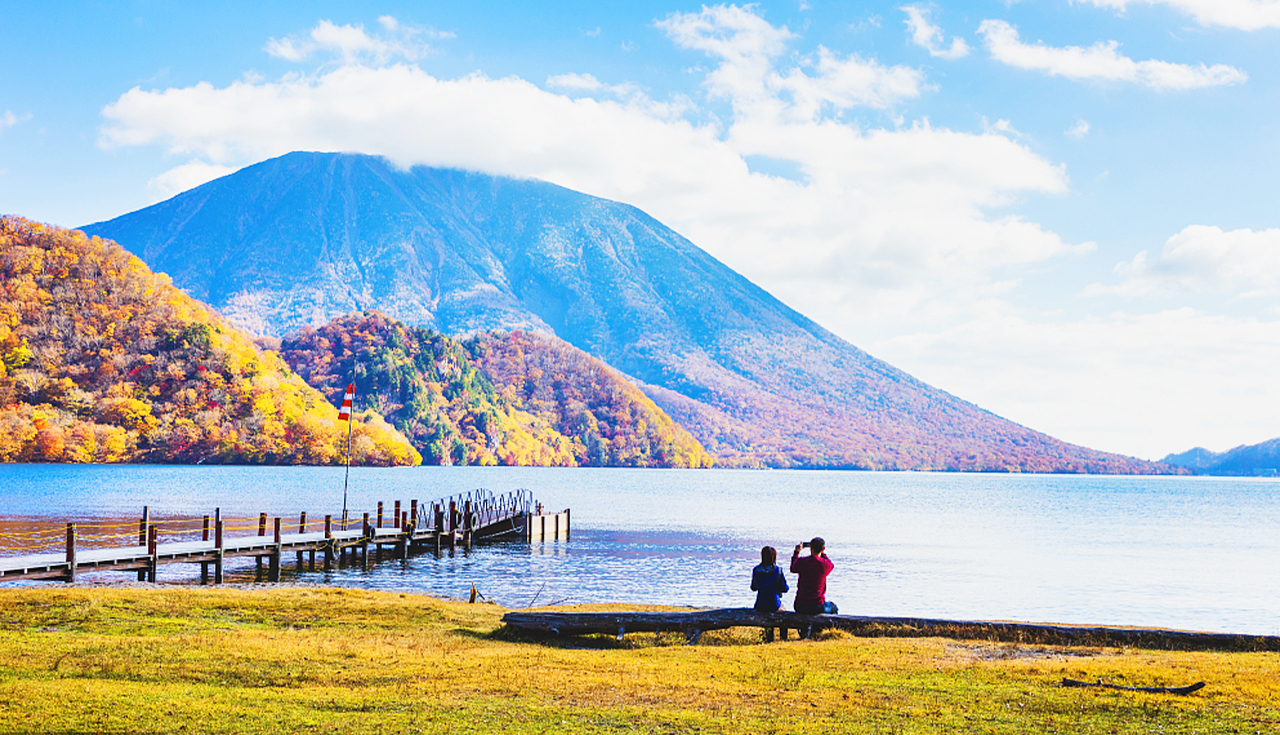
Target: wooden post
[
  {"x": 257, "y": 560},
  {"x": 398, "y": 516},
  {"x": 204, "y": 565},
  {"x": 142, "y": 536},
  {"x": 566, "y": 524},
  {"x": 273, "y": 573},
  {"x": 466, "y": 524},
  {"x": 217, "y": 546},
  {"x": 71, "y": 552},
  {"x": 302, "y": 528},
  {"x": 556, "y": 522},
  {"x": 413, "y": 514},
  {"x": 379, "y": 514},
  {"x": 453, "y": 523},
  {"x": 439, "y": 523},
  {"x": 365, "y": 533},
  {"x": 328, "y": 547},
  {"x": 151, "y": 552}
]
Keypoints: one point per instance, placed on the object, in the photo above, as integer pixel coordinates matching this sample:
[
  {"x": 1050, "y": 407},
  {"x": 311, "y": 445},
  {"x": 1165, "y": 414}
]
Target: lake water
[{"x": 1197, "y": 553}]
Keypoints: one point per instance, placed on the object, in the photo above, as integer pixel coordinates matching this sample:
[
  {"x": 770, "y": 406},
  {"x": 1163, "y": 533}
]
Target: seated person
[
  {"x": 811, "y": 579},
  {"x": 768, "y": 581}
]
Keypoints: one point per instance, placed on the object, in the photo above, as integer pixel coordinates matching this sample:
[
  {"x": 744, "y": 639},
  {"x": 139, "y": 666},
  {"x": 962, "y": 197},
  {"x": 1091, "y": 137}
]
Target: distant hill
[
  {"x": 102, "y": 360},
  {"x": 1261, "y": 459},
  {"x": 303, "y": 238},
  {"x": 610, "y": 422},
  {"x": 501, "y": 399}
]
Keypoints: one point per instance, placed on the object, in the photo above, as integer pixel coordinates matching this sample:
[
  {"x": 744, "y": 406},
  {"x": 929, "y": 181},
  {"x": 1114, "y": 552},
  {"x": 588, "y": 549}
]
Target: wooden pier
[{"x": 393, "y": 531}]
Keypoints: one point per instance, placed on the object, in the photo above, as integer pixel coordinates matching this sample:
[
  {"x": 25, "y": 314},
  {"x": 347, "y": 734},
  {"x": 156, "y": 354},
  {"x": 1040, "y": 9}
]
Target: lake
[{"x": 1184, "y": 552}]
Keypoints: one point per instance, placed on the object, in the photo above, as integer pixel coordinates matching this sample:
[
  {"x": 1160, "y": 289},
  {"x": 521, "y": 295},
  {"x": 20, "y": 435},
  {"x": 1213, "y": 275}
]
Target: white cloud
[
  {"x": 886, "y": 227},
  {"x": 584, "y": 82},
  {"x": 1246, "y": 15},
  {"x": 8, "y": 119},
  {"x": 928, "y": 36},
  {"x": 352, "y": 44},
  {"x": 747, "y": 47},
  {"x": 187, "y": 176},
  {"x": 1140, "y": 384},
  {"x": 1101, "y": 61},
  {"x": 1204, "y": 259},
  {"x": 1077, "y": 131}
]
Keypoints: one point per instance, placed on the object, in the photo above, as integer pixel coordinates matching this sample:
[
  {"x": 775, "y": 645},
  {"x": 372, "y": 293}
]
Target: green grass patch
[{"x": 353, "y": 661}]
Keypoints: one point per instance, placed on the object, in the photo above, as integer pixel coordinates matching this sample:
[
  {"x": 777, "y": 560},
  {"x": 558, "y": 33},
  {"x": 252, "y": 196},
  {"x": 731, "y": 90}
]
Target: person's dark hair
[
  {"x": 768, "y": 556},
  {"x": 817, "y": 545}
]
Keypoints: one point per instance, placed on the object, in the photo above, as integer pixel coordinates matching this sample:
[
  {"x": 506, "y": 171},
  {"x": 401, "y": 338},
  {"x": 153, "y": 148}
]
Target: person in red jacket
[{"x": 811, "y": 579}]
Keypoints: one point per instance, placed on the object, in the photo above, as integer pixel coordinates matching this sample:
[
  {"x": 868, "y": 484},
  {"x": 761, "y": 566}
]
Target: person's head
[
  {"x": 768, "y": 556},
  {"x": 817, "y": 545}
]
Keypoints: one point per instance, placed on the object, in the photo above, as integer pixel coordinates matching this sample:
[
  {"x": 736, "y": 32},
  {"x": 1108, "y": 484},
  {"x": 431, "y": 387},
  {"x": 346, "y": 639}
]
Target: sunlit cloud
[
  {"x": 352, "y": 44},
  {"x": 1100, "y": 62},
  {"x": 1078, "y": 130},
  {"x": 1204, "y": 259},
  {"x": 929, "y": 37},
  {"x": 1246, "y": 15}
]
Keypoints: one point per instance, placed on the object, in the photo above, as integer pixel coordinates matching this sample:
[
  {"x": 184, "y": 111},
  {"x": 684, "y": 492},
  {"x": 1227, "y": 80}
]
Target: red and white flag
[{"x": 344, "y": 413}]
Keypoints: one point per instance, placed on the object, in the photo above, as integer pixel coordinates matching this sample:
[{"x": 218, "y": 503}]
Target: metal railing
[{"x": 485, "y": 508}]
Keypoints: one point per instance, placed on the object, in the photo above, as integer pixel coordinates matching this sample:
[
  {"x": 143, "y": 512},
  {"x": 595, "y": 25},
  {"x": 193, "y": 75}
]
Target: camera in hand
[{"x": 804, "y": 544}]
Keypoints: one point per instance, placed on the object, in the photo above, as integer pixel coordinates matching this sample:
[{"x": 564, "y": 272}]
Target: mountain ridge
[
  {"x": 305, "y": 237},
  {"x": 1259, "y": 460}
]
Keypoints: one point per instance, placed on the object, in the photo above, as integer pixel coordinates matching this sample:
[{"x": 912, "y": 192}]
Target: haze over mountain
[{"x": 303, "y": 238}]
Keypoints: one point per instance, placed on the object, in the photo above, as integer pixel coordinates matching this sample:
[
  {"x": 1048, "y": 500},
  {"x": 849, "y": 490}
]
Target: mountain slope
[
  {"x": 302, "y": 238},
  {"x": 610, "y": 422},
  {"x": 1262, "y": 459},
  {"x": 102, "y": 360}
]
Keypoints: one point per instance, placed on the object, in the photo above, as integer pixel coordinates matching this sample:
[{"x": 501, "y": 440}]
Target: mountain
[
  {"x": 1262, "y": 459},
  {"x": 303, "y": 238},
  {"x": 102, "y": 360},
  {"x": 510, "y": 399}
]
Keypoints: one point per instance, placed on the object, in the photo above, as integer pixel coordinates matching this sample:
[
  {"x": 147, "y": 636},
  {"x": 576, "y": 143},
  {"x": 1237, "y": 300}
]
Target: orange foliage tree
[{"x": 102, "y": 360}]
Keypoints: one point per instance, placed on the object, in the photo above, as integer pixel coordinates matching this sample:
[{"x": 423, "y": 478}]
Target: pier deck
[{"x": 443, "y": 524}]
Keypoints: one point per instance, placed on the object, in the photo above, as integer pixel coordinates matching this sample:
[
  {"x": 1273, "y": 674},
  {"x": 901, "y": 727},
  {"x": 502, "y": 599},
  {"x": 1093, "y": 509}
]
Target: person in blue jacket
[{"x": 768, "y": 581}]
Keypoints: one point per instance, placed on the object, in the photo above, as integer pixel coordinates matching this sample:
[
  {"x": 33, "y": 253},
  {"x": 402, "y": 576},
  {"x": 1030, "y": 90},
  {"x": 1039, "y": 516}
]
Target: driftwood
[
  {"x": 1153, "y": 690},
  {"x": 695, "y": 622}
]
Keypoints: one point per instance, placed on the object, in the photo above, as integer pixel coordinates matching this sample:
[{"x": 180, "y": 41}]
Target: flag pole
[
  {"x": 345, "y": 414},
  {"x": 346, "y": 476}
]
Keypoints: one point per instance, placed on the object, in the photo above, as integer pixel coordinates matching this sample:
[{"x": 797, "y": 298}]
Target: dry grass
[{"x": 329, "y": 660}]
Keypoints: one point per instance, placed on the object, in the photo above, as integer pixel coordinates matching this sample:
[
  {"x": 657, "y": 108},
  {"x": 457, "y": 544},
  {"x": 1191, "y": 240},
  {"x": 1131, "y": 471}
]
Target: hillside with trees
[
  {"x": 426, "y": 386},
  {"x": 610, "y": 422},
  {"x": 102, "y": 360},
  {"x": 445, "y": 397}
]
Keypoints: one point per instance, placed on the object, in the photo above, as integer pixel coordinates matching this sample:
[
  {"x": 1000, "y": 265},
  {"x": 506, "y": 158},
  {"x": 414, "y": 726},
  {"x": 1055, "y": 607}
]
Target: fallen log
[
  {"x": 1153, "y": 690},
  {"x": 694, "y": 622}
]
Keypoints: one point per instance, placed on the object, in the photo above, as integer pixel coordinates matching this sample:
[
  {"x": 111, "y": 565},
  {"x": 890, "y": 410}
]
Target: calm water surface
[{"x": 1201, "y": 553}]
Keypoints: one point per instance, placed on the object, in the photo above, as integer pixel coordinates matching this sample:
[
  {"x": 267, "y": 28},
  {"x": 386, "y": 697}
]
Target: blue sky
[{"x": 1061, "y": 211}]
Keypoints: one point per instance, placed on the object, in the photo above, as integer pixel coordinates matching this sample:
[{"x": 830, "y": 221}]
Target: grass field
[{"x": 330, "y": 660}]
